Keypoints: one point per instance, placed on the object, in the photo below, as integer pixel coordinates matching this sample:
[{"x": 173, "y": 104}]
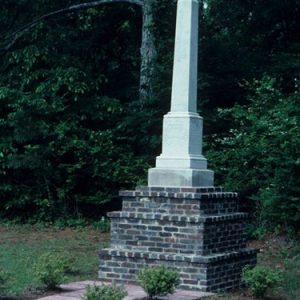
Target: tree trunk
[{"x": 148, "y": 53}]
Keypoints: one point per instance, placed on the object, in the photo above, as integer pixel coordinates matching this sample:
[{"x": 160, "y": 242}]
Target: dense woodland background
[{"x": 75, "y": 127}]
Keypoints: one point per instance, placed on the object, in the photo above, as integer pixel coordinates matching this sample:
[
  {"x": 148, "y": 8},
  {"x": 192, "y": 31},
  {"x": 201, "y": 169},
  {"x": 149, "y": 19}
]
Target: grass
[{"x": 20, "y": 248}]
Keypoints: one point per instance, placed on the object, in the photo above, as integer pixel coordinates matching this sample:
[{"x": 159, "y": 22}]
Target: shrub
[
  {"x": 259, "y": 279},
  {"x": 50, "y": 269},
  {"x": 264, "y": 140},
  {"x": 105, "y": 292},
  {"x": 4, "y": 276},
  {"x": 158, "y": 281},
  {"x": 103, "y": 225},
  {"x": 61, "y": 152}
]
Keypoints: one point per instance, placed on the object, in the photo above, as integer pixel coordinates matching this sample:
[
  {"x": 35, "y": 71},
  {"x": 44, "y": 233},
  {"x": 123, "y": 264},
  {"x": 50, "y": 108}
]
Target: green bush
[
  {"x": 259, "y": 156},
  {"x": 105, "y": 292},
  {"x": 4, "y": 276},
  {"x": 158, "y": 281},
  {"x": 50, "y": 269},
  {"x": 103, "y": 225},
  {"x": 65, "y": 148},
  {"x": 259, "y": 279}
]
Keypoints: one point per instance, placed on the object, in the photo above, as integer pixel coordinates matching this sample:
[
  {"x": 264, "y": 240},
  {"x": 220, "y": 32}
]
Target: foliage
[
  {"x": 158, "y": 281},
  {"x": 65, "y": 145},
  {"x": 103, "y": 225},
  {"x": 4, "y": 276},
  {"x": 50, "y": 270},
  {"x": 243, "y": 41},
  {"x": 105, "y": 292},
  {"x": 259, "y": 279},
  {"x": 260, "y": 155},
  {"x": 256, "y": 231}
]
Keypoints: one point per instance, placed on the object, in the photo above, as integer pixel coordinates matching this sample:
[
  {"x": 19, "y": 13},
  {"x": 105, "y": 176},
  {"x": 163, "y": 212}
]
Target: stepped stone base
[{"x": 198, "y": 231}]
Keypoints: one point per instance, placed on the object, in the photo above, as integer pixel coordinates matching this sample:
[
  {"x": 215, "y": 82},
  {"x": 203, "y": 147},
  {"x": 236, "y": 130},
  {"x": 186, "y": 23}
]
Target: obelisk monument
[
  {"x": 181, "y": 163},
  {"x": 180, "y": 220}
]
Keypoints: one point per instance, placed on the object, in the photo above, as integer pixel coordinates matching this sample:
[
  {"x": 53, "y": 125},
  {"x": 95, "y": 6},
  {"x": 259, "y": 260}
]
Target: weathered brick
[
  {"x": 113, "y": 275},
  {"x": 165, "y": 234},
  {"x": 171, "y": 229},
  {"x": 181, "y": 229},
  {"x": 159, "y": 228}
]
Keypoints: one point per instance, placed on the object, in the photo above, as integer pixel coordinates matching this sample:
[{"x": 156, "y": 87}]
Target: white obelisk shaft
[
  {"x": 184, "y": 88},
  {"x": 181, "y": 162}
]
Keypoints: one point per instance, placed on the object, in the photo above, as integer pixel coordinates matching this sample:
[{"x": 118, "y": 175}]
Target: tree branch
[{"x": 13, "y": 37}]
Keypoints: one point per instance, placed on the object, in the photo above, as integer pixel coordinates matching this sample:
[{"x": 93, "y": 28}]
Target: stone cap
[
  {"x": 179, "y": 218},
  {"x": 177, "y": 257}
]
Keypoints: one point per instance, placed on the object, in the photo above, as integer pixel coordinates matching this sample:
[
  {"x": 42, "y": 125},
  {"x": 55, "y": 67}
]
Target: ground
[{"x": 20, "y": 247}]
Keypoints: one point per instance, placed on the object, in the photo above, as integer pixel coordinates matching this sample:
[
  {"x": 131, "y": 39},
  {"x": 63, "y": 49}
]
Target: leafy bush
[
  {"x": 65, "y": 147},
  {"x": 105, "y": 292},
  {"x": 256, "y": 232},
  {"x": 158, "y": 281},
  {"x": 103, "y": 225},
  {"x": 4, "y": 276},
  {"x": 259, "y": 157},
  {"x": 259, "y": 279},
  {"x": 50, "y": 269}
]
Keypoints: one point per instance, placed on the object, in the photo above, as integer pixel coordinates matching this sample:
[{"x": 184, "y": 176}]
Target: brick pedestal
[{"x": 198, "y": 231}]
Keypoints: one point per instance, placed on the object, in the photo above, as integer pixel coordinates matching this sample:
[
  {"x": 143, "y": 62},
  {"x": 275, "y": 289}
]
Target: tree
[
  {"x": 63, "y": 149},
  {"x": 148, "y": 49},
  {"x": 243, "y": 40},
  {"x": 148, "y": 52}
]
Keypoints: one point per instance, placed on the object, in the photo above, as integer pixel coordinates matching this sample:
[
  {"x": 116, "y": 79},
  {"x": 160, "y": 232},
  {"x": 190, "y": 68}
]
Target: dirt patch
[{"x": 273, "y": 242}]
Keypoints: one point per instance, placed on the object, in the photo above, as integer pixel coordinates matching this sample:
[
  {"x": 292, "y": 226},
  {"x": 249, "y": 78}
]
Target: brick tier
[{"x": 198, "y": 231}]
